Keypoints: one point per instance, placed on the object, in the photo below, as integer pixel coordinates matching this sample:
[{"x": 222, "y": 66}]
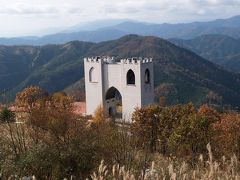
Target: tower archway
[{"x": 113, "y": 103}]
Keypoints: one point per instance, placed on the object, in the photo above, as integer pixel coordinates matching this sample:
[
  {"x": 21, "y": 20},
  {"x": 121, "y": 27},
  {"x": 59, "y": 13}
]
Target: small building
[{"x": 118, "y": 86}]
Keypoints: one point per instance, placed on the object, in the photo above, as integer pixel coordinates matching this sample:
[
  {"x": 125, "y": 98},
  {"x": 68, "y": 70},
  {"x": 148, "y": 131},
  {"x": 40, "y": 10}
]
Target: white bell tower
[{"x": 119, "y": 87}]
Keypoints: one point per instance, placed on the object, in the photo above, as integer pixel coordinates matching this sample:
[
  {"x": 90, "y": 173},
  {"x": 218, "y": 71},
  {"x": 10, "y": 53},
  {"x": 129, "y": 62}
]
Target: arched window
[
  {"x": 147, "y": 76},
  {"x": 92, "y": 75},
  {"x": 130, "y": 77}
]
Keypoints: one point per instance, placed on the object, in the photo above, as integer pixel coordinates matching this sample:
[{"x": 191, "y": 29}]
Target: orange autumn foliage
[{"x": 228, "y": 134}]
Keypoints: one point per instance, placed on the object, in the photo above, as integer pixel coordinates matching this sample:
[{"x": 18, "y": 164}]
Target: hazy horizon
[{"x": 39, "y": 17}]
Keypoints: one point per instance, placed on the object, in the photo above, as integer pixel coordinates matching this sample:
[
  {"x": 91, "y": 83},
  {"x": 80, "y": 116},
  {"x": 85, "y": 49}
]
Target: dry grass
[
  {"x": 172, "y": 169},
  {"x": 169, "y": 169}
]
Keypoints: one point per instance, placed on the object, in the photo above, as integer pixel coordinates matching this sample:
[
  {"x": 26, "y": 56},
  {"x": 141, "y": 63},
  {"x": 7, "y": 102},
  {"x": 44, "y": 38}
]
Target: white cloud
[
  {"x": 25, "y": 16},
  {"x": 217, "y": 2},
  {"x": 27, "y": 8},
  {"x": 136, "y": 6}
]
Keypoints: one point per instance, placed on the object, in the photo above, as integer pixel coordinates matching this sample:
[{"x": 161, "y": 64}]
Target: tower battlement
[
  {"x": 99, "y": 59},
  {"x": 111, "y": 60},
  {"x": 136, "y": 60}
]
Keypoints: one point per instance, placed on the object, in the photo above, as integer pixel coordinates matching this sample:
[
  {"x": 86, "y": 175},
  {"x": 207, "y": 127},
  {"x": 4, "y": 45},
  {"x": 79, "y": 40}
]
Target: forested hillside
[
  {"x": 219, "y": 49},
  {"x": 180, "y": 75}
]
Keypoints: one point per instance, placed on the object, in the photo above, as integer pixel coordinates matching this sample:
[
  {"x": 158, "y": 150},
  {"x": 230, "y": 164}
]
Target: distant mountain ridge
[
  {"x": 230, "y": 27},
  {"x": 220, "y": 49},
  {"x": 186, "y": 76}
]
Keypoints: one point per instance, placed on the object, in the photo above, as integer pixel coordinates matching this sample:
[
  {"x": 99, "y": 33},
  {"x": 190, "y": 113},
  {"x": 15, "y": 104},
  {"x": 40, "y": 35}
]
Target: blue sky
[{"x": 30, "y": 17}]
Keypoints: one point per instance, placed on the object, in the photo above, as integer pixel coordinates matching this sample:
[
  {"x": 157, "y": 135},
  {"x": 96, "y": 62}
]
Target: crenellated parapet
[
  {"x": 99, "y": 59},
  {"x": 136, "y": 60},
  {"x": 111, "y": 60}
]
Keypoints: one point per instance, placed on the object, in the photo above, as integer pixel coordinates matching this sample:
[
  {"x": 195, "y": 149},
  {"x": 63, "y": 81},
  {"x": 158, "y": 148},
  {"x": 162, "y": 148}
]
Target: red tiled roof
[
  {"x": 17, "y": 109},
  {"x": 79, "y": 108}
]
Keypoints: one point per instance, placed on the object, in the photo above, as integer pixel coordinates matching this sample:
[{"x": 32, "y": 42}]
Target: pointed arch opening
[
  {"x": 93, "y": 75},
  {"x": 147, "y": 76},
  {"x": 130, "y": 77},
  {"x": 113, "y": 103}
]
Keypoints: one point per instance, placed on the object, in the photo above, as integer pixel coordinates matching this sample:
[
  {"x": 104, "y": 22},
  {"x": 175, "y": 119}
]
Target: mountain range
[
  {"x": 220, "y": 49},
  {"x": 230, "y": 27},
  {"x": 181, "y": 75}
]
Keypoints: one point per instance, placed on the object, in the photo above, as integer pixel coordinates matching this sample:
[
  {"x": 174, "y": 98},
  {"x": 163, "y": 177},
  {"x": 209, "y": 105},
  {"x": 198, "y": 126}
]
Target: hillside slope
[
  {"x": 220, "y": 49},
  {"x": 189, "y": 76}
]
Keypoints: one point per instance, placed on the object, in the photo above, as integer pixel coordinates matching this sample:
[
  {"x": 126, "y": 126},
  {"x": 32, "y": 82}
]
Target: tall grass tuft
[{"x": 172, "y": 169}]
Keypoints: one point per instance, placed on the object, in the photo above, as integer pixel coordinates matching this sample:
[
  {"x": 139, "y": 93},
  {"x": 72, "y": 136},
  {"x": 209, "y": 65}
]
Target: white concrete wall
[
  {"x": 131, "y": 93},
  {"x": 94, "y": 90},
  {"x": 112, "y": 77},
  {"x": 147, "y": 90}
]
